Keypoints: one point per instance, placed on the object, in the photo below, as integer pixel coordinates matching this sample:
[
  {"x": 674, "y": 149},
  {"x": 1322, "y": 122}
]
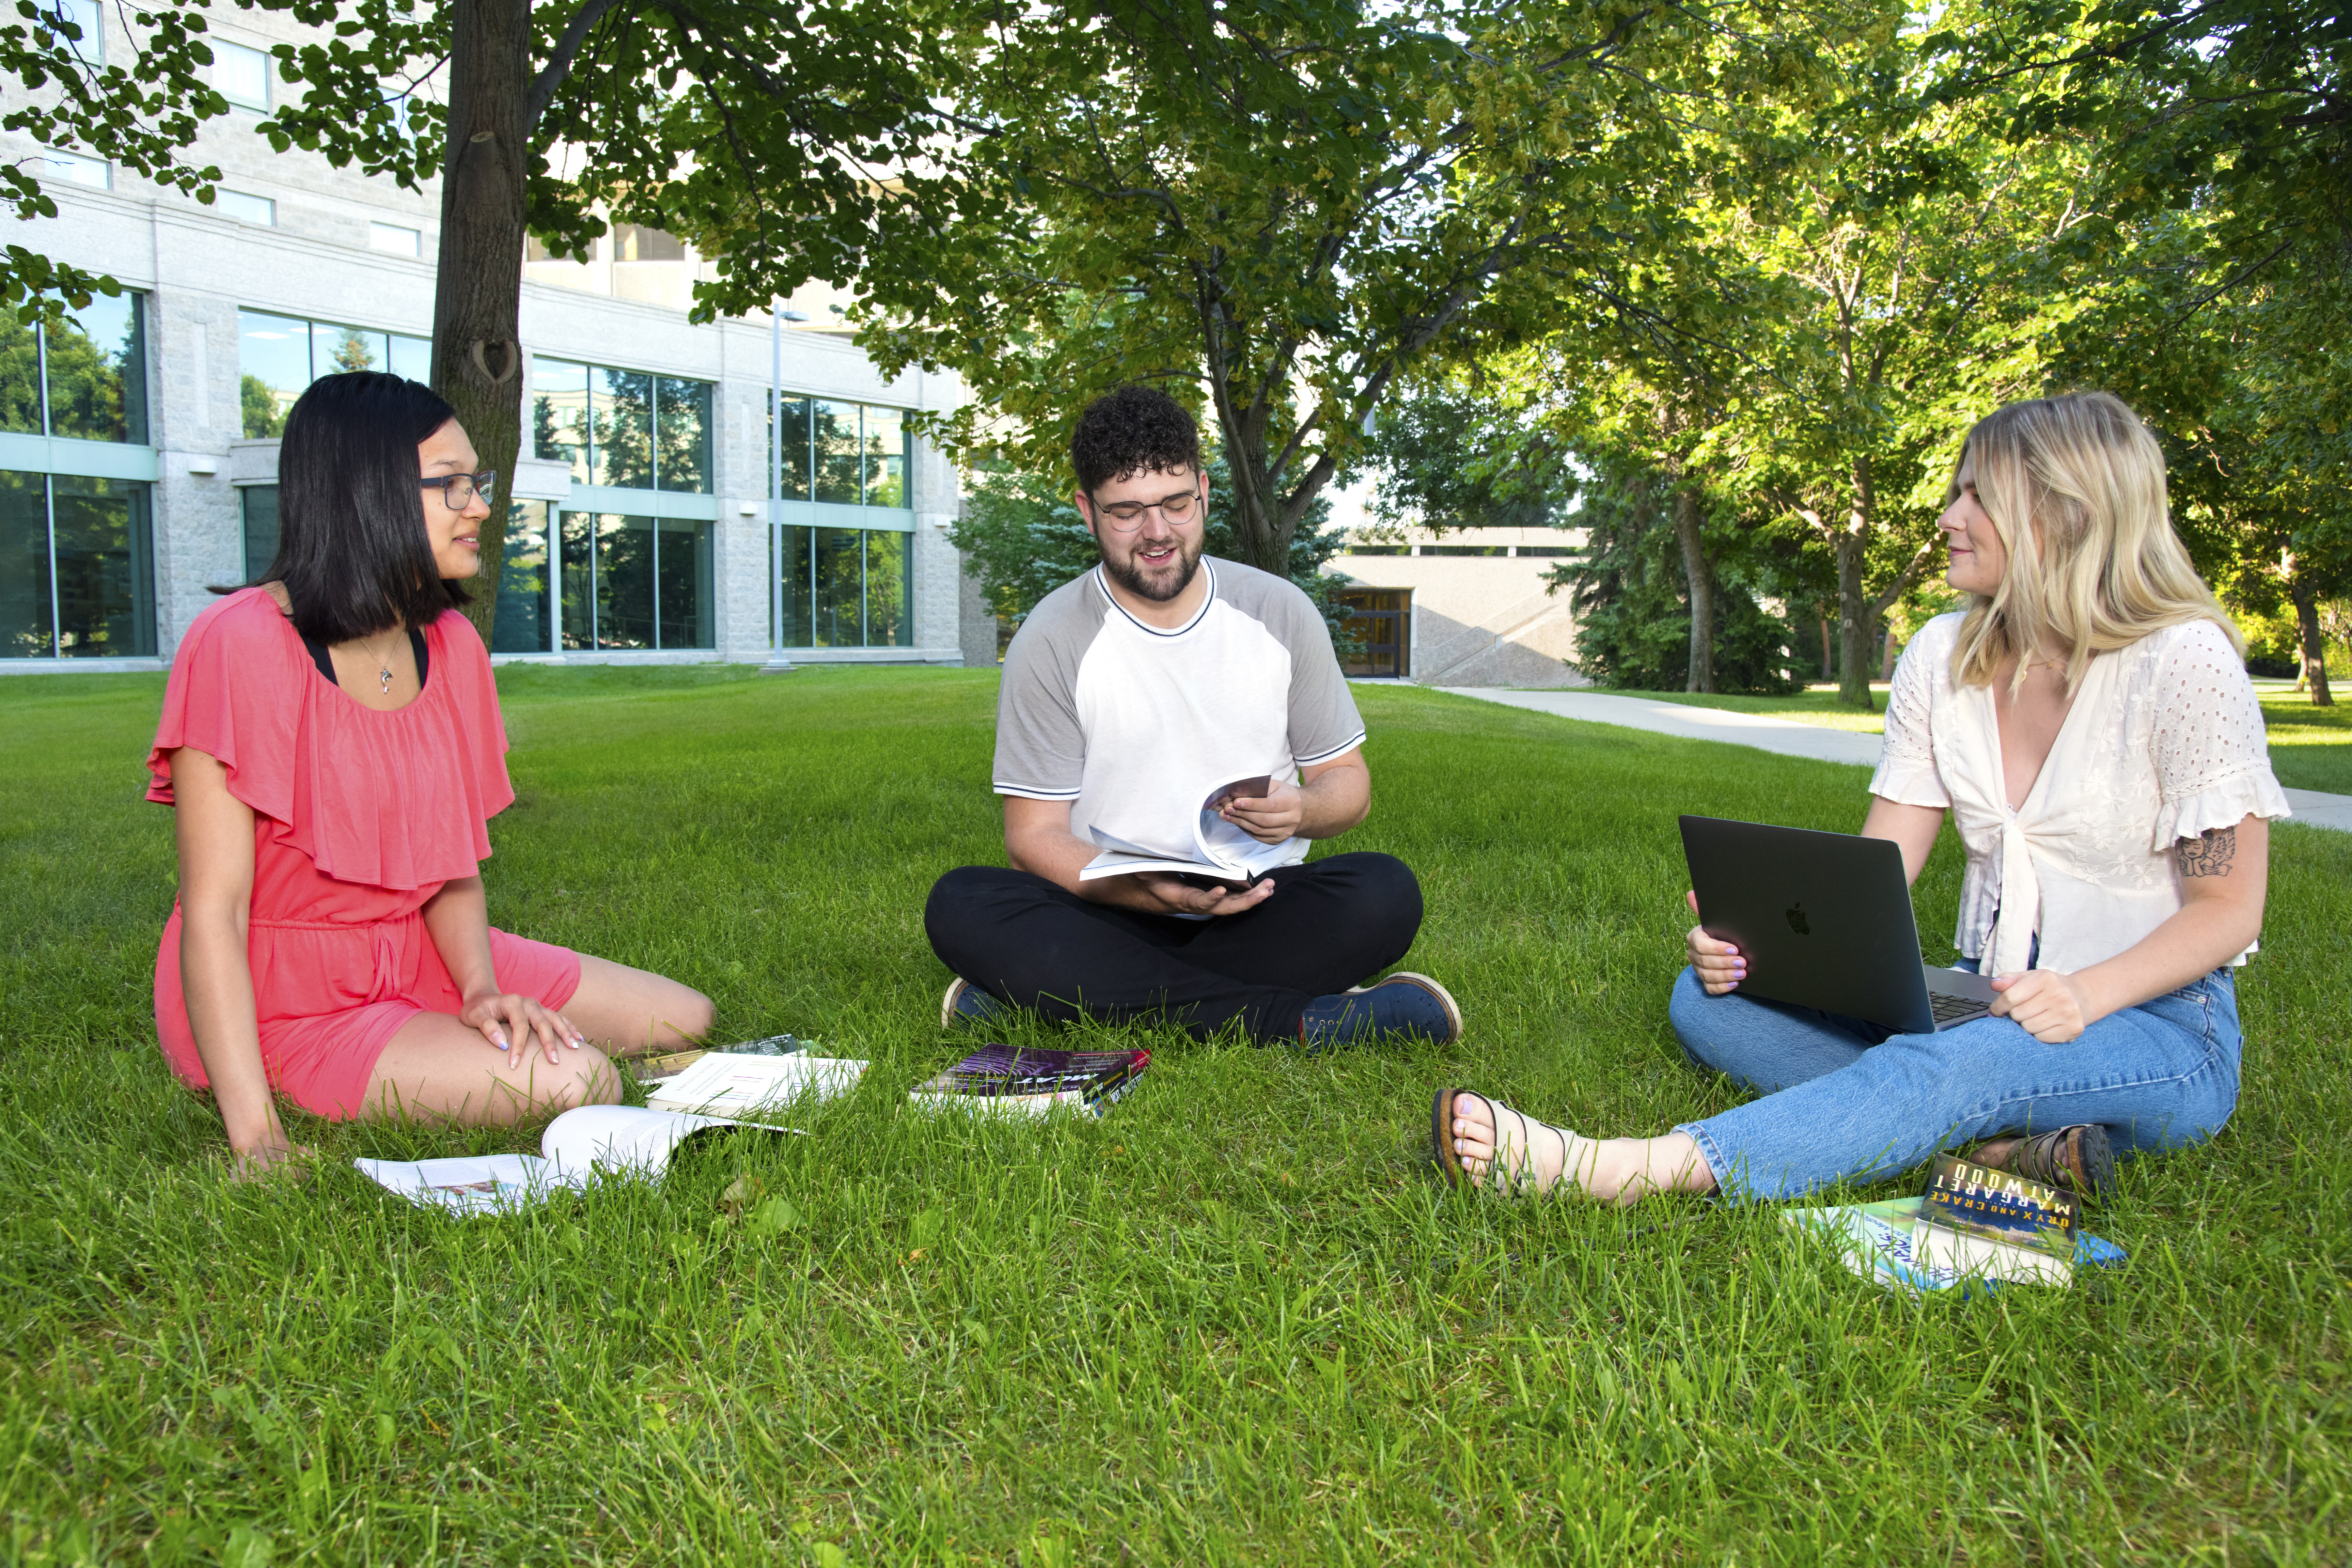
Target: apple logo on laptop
[{"x": 1797, "y": 920}]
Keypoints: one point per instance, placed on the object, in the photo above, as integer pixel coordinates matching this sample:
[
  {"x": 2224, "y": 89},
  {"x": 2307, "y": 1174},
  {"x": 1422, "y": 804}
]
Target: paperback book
[
  {"x": 615, "y": 1140},
  {"x": 1897, "y": 1245},
  {"x": 725, "y": 1083},
  {"x": 1218, "y": 851},
  {"x": 1001, "y": 1079},
  {"x": 1974, "y": 1219}
]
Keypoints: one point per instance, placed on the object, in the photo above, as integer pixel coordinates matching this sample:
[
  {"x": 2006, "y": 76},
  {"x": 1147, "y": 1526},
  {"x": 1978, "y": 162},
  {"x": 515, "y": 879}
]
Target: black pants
[{"x": 1327, "y": 926}]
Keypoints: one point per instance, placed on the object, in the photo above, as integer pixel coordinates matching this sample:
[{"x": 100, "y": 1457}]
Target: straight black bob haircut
[
  {"x": 1133, "y": 430},
  {"x": 352, "y": 546}
]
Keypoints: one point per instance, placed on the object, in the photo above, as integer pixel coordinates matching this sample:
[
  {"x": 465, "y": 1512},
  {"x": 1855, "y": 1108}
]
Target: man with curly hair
[{"x": 1131, "y": 695}]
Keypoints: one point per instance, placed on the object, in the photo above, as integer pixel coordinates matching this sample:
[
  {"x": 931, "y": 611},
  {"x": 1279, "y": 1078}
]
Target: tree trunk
[
  {"x": 2314, "y": 646},
  {"x": 1257, "y": 515},
  {"x": 1701, "y": 578},
  {"x": 1829, "y": 661},
  {"x": 478, "y": 294},
  {"x": 1856, "y": 621}
]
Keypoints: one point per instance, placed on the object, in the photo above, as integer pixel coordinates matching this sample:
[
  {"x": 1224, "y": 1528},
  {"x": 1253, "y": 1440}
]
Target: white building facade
[{"x": 648, "y": 519}]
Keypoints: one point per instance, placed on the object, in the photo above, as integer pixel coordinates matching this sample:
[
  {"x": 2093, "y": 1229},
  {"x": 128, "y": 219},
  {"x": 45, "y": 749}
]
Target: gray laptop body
[{"x": 1824, "y": 919}]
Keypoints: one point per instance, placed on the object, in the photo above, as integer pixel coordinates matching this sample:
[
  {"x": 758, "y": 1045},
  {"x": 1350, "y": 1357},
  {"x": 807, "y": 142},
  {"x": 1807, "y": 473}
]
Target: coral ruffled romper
[{"x": 359, "y": 817}]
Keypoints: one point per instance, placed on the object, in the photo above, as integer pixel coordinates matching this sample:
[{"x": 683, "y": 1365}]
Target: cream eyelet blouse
[{"x": 2164, "y": 741}]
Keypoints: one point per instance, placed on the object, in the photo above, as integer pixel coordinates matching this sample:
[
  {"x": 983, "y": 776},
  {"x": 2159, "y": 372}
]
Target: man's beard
[{"x": 1131, "y": 578}]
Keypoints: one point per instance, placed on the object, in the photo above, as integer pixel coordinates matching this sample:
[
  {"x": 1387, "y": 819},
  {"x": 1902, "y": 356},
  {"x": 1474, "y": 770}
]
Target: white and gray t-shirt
[{"x": 1135, "y": 726}]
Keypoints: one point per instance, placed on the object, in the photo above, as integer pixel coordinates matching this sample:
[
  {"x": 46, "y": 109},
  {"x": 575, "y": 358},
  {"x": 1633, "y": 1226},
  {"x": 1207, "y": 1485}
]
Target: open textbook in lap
[
  {"x": 1219, "y": 849},
  {"x": 616, "y": 1138}
]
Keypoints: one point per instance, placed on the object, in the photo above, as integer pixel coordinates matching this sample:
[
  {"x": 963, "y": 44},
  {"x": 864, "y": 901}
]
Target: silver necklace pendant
[{"x": 386, "y": 673}]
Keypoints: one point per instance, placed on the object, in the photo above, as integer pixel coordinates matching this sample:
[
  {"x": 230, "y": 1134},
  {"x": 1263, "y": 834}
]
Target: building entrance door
[{"x": 1380, "y": 619}]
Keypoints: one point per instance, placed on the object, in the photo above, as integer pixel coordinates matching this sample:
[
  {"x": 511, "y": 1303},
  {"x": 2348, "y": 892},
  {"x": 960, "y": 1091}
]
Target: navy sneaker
[
  {"x": 1404, "y": 1003},
  {"x": 967, "y": 1003}
]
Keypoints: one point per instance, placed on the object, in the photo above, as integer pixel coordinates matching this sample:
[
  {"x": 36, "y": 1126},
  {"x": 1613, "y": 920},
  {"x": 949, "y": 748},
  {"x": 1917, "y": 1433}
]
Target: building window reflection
[
  {"x": 624, "y": 429},
  {"x": 627, "y": 582},
  {"x": 84, "y": 377},
  {"x": 849, "y": 454},
  {"x": 277, "y": 358},
  {"x": 77, "y": 573},
  {"x": 845, "y": 587}
]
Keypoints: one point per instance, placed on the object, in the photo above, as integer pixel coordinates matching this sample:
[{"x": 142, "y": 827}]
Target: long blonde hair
[{"x": 2074, "y": 485}]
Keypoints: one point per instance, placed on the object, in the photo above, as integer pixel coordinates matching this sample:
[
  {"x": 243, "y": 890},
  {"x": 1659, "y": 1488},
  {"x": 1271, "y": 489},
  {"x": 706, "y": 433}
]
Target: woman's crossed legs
[{"x": 1842, "y": 1099}]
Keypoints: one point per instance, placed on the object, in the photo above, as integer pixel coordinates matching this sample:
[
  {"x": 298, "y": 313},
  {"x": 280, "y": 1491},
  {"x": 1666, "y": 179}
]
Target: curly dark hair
[{"x": 1133, "y": 430}]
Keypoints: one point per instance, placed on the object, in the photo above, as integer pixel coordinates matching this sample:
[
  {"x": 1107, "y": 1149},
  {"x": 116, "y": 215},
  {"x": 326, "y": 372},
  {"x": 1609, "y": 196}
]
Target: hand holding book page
[{"x": 1220, "y": 849}]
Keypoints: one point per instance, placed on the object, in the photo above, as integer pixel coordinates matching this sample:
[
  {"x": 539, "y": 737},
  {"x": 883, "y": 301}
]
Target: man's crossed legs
[{"x": 1280, "y": 967}]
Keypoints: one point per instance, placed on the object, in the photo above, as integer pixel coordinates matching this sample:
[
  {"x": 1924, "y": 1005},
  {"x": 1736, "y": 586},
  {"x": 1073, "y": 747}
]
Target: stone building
[{"x": 138, "y": 444}]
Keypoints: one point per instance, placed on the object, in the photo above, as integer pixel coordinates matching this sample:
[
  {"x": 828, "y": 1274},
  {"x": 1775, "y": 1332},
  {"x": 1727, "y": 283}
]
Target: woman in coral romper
[{"x": 331, "y": 745}]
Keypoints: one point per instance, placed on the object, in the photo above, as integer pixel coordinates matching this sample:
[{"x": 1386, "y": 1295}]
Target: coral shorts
[{"x": 329, "y": 998}]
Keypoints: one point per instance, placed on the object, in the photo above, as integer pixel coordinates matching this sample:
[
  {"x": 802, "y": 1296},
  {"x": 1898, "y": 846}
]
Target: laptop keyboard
[{"x": 1949, "y": 1009}]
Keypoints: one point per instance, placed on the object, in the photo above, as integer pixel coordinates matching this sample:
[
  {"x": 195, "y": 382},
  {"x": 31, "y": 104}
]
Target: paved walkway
[{"x": 1787, "y": 736}]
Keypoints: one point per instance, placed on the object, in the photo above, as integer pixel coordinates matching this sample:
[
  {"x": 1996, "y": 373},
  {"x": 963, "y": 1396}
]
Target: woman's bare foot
[{"x": 1533, "y": 1156}]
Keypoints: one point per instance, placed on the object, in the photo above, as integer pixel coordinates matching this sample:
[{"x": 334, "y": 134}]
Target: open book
[
  {"x": 733, "y": 1083},
  {"x": 1221, "y": 850},
  {"x": 616, "y": 1139},
  {"x": 1890, "y": 1242}
]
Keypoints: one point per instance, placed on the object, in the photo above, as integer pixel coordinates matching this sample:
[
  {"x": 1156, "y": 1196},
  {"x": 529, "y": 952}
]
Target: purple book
[{"x": 1005, "y": 1078}]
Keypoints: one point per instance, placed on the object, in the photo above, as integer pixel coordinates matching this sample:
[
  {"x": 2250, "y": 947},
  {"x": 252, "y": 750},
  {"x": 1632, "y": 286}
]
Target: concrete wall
[{"x": 1478, "y": 620}]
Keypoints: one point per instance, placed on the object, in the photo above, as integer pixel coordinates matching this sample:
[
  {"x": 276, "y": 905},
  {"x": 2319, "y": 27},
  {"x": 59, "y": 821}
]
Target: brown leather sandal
[{"x": 2077, "y": 1158}]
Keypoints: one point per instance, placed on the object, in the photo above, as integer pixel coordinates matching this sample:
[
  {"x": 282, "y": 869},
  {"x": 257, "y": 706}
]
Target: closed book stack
[
  {"x": 1001, "y": 1079},
  {"x": 1974, "y": 1219}
]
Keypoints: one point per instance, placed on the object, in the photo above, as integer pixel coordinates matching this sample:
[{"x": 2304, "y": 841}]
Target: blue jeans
[{"x": 1846, "y": 1101}]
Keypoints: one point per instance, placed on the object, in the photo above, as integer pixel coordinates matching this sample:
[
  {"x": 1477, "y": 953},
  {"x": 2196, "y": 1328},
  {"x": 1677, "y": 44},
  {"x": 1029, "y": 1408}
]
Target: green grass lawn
[
  {"x": 2311, "y": 748},
  {"x": 1237, "y": 1321}
]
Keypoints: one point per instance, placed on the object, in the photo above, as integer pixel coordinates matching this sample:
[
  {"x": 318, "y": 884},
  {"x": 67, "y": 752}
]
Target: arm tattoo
[{"x": 2210, "y": 855}]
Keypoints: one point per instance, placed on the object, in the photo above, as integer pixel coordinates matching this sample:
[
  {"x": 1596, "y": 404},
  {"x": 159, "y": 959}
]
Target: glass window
[
  {"x": 257, "y": 210},
  {"x": 104, "y": 607},
  {"x": 336, "y": 349},
  {"x": 92, "y": 366},
  {"x": 624, "y": 423},
  {"x": 240, "y": 74},
  {"x": 845, "y": 587},
  {"x": 837, "y": 469},
  {"x": 579, "y": 534},
  {"x": 75, "y": 170},
  {"x": 521, "y": 626},
  {"x": 796, "y": 454},
  {"x": 273, "y": 364},
  {"x": 20, "y": 375},
  {"x": 636, "y": 242},
  {"x": 77, "y": 577},
  {"x": 792, "y": 596},
  {"x": 624, "y": 581},
  {"x": 393, "y": 240},
  {"x": 838, "y": 593},
  {"x": 260, "y": 505},
  {"x": 886, "y": 457},
  {"x": 682, "y": 564},
  {"x": 682, "y": 426},
  {"x": 559, "y": 416},
  {"x": 90, "y": 47},
  {"x": 25, "y": 621},
  {"x": 412, "y": 357},
  {"x": 889, "y": 566}
]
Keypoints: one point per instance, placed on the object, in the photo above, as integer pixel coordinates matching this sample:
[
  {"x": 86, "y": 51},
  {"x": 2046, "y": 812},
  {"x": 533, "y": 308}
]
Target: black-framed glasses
[
  {"x": 458, "y": 490},
  {"x": 1127, "y": 516}
]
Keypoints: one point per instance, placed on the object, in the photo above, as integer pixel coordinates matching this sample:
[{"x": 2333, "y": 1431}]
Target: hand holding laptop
[{"x": 1720, "y": 966}]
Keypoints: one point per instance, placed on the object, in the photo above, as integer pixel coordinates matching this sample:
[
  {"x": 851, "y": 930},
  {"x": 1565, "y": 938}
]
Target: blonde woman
[{"x": 2088, "y": 724}]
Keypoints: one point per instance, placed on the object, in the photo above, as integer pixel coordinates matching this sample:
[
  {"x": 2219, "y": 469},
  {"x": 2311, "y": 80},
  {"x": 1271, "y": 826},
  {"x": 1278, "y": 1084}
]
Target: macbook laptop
[{"x": 1824, "y": 919}]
